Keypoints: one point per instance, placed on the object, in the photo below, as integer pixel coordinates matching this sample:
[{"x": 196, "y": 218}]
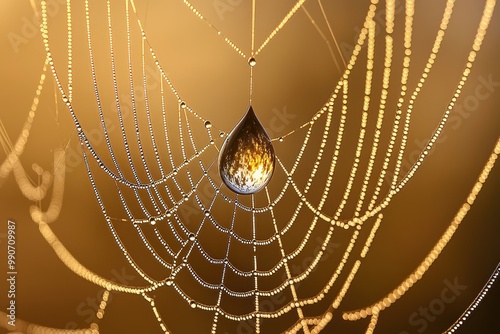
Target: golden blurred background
[{"x": 294, "y": 76}]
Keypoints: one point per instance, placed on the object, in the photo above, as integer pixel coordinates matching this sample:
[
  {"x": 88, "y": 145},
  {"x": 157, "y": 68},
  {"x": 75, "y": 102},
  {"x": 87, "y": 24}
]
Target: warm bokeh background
[{"x": 294, "y": 76}]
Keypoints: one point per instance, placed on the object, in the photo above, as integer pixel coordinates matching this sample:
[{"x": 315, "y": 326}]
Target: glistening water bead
[{"x": 246, "y": 160}]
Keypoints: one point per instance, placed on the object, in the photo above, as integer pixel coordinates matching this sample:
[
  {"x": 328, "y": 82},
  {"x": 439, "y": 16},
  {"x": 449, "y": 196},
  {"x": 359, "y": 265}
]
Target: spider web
[{"x": 264, "y": 234}]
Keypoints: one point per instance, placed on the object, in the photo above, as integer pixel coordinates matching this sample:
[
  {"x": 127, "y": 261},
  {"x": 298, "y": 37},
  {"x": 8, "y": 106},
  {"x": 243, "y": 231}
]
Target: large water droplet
[{"x": 246, "y": 160}]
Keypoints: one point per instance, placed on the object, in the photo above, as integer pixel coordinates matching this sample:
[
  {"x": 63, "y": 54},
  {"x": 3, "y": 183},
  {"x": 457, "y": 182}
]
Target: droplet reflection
[{"x": 246, "y": 160}]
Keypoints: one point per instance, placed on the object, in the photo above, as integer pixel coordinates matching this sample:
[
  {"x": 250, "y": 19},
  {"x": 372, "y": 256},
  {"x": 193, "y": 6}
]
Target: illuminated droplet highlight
[{"x": 246, "y": 160}]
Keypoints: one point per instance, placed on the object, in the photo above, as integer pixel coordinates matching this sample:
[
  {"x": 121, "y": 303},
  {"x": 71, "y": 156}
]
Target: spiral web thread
[{"x": 149, "y": 200}]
